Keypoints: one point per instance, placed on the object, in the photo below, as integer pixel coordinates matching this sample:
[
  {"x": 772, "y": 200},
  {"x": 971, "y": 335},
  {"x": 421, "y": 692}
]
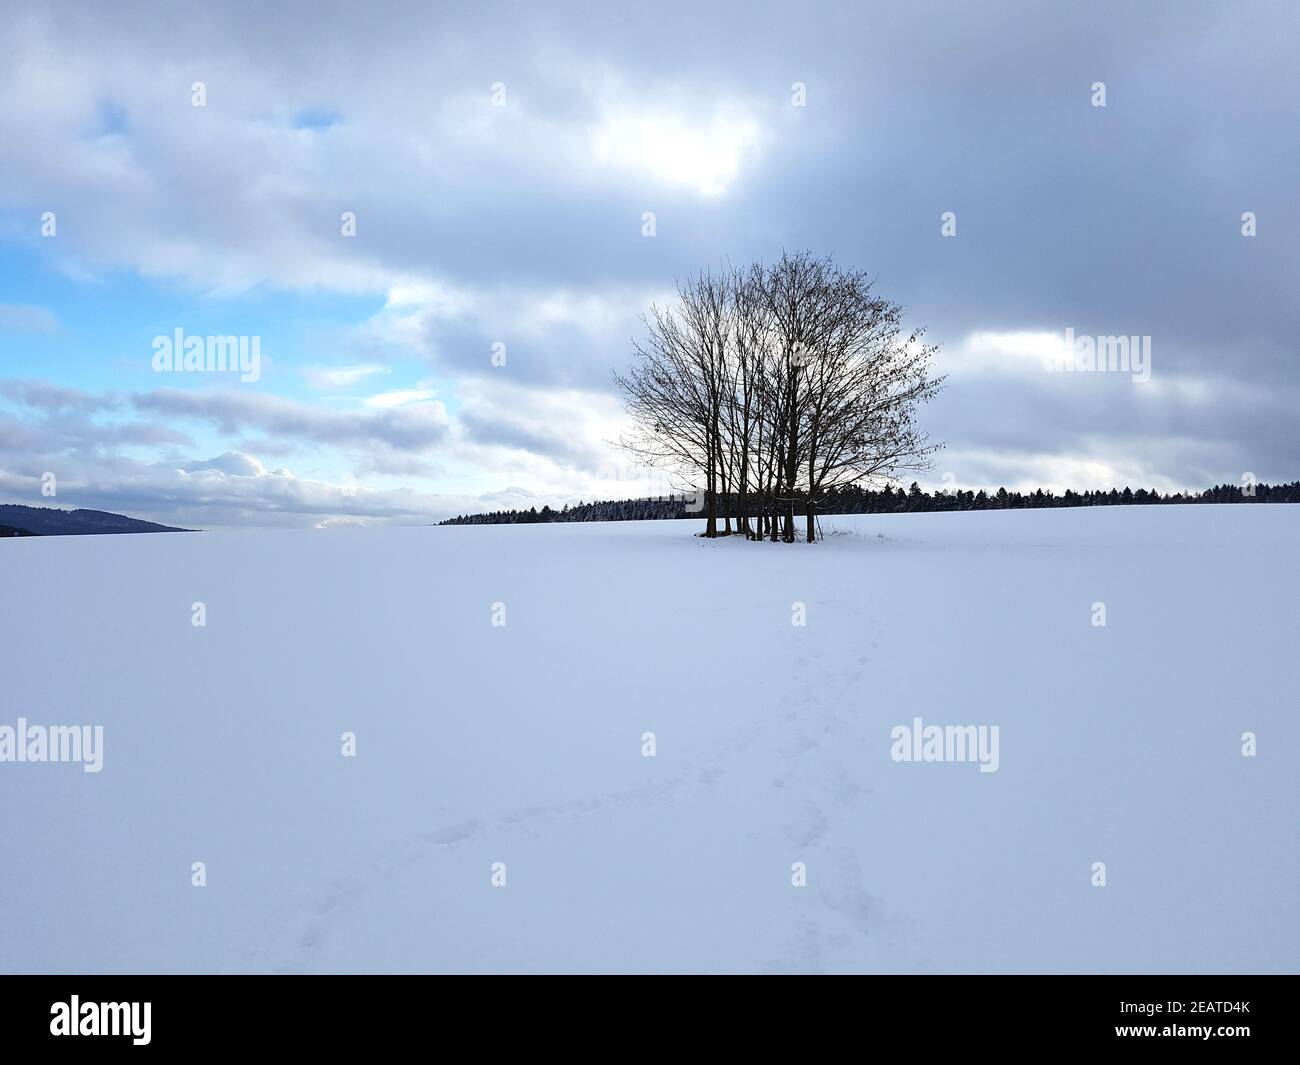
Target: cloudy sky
[{"x": 499, "y": 162}]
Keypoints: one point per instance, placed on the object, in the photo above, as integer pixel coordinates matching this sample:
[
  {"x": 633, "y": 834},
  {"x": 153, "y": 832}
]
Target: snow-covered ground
[{"x": 522, "y": 744}]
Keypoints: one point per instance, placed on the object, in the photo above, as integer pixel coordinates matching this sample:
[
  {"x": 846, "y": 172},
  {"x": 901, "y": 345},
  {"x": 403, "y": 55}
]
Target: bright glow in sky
[{"x": 703, "y": 155}]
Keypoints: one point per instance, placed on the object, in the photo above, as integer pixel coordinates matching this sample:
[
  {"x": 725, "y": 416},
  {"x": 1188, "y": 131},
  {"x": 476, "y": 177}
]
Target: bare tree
[
  {"x": 864, "y": 382},
  {"x": 674, "y": 389},
  {"x": 775, "y": 385},
  {"x": 748, "y": 361}
]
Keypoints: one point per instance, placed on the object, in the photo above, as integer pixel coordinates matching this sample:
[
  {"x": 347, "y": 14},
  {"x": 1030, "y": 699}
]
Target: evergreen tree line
[{"x": 855, "y": 499}]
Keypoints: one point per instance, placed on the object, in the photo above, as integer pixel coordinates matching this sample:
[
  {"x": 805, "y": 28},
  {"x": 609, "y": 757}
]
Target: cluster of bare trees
[{"x": 772, "y": 385}]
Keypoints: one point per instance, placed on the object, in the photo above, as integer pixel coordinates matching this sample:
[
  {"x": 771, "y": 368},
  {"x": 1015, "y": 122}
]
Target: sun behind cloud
[{"x": 704, "y": 155}]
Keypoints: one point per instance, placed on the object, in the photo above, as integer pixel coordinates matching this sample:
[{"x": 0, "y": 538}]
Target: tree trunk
[
  {"x": 726, "y": 502},
  {"x": 776, "y": 508},
  {"x": 711, "y": 501},
  {"x": 812, "y": 507},
  {"x": 792, "y": 456},
  {"x": 742, "y": 495}
]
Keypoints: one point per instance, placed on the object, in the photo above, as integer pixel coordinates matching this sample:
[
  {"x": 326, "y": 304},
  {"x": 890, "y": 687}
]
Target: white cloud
[
  {"x": 1012, "y": 352},
  {"x": 399, "y": 398},
  {"x": 703, "y": 155},
  {"x": 340, "y": 376},
  {"x": 232, "y": 463}
]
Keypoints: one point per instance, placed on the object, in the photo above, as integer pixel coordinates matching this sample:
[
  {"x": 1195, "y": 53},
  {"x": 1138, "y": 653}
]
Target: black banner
[{"x": 1219, "y": 1014}]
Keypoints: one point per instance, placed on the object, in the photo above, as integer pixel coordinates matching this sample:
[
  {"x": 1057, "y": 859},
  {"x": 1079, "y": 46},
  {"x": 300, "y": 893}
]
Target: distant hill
[{"x": 16, "y": 520}]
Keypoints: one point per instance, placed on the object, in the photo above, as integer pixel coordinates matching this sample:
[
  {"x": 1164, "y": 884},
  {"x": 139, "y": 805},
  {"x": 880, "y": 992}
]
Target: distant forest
[{"x": 853, "y": 499}]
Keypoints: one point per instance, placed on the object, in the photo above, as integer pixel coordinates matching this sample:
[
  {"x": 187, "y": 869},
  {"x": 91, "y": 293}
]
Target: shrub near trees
[{"x": 776, "y": 387}]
